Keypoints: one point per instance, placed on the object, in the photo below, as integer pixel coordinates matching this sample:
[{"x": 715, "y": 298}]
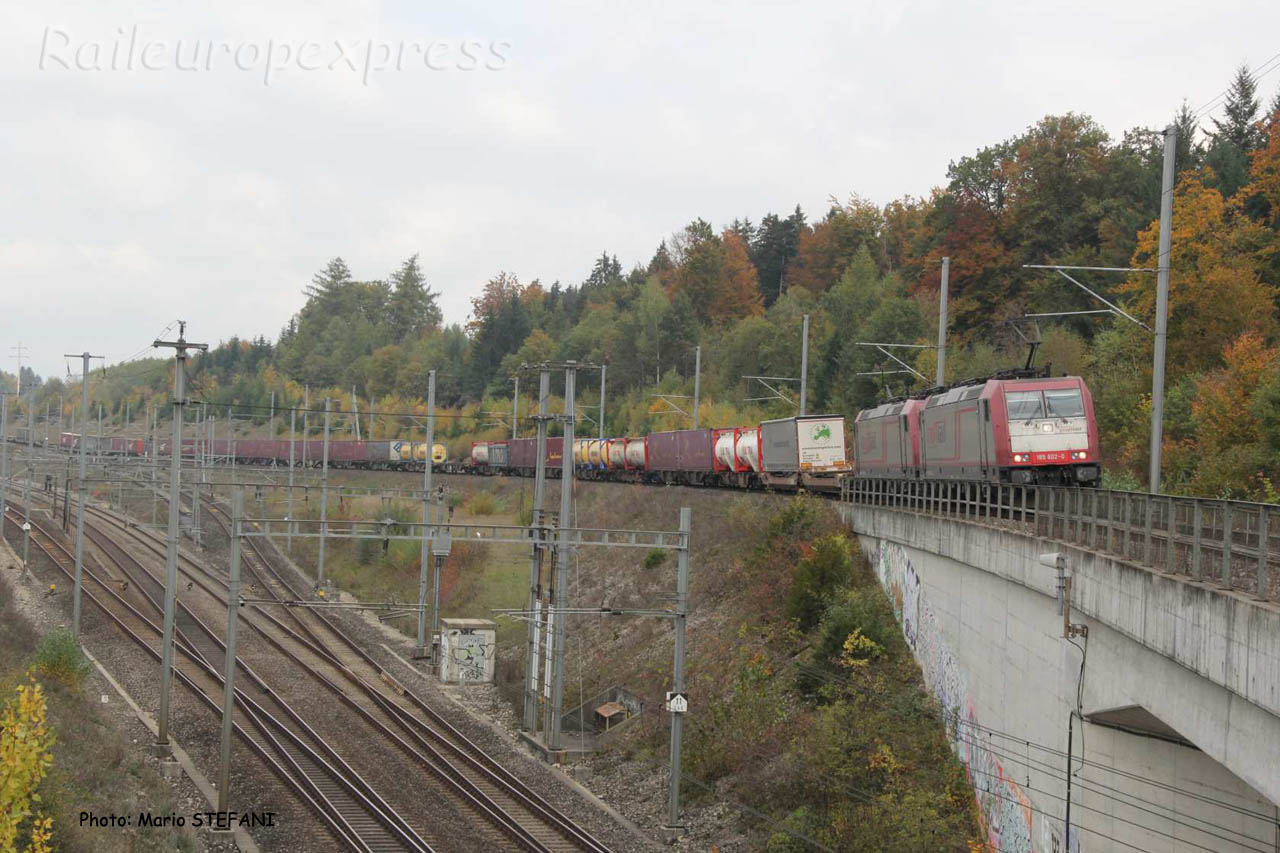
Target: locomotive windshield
[
  {"x": 1065, "y": 403},
  {"x": 1024, "y": 405}
]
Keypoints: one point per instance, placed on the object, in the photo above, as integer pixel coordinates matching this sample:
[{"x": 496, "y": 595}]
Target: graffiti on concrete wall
[{"x": 1003, "y": 805}]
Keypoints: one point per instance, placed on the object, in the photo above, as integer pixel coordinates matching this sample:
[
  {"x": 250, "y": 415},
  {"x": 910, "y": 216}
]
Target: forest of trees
[{"x": 1065, "y": 191}]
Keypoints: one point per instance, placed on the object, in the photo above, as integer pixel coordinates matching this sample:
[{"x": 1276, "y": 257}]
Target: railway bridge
[{"x": 1148, "y": 710}]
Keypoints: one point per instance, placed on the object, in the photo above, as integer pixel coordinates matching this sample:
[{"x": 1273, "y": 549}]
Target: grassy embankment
[
  {"x": 92, "y": 769},
  {"x": 806, "y": 704},
  {"x": 478, "y": 577}
]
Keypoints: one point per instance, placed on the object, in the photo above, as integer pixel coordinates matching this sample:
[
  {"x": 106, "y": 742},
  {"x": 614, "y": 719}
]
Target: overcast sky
[{"x": 503, "y": 138}]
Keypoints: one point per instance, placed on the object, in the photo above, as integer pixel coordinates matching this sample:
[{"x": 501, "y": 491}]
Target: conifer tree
[
  {"x": 1189, "y": 152},
  {"x": 413, "y": 304},
  {"x": 1237, "y": 134}
]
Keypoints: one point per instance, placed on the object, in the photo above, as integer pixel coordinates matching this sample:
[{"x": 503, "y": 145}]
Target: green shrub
[
  {"x": 58, "y": 656},
  {"x": 799, "y": 518},
  {"x": 368, "y": 551},
  {"x": 482, "y": 503},
  {"x": 524, "y": 511},
  {"x": 1120, "y": 480},
  {"x": 655, "y": 558},
  {"x": 454, "y": 499},
  {"x": 826, "y": 569},
  {"x": 793, "y": 834},
  {"x": 863, "y": 611}
]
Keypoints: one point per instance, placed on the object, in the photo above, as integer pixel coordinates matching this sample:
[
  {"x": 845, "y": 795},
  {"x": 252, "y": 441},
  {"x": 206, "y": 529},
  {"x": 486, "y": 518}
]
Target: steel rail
[
  {"x": 452, "y": 739},
  {"x": 327, "y": 776},
  {"x": 49, "y": 544},
  {"x": 469, "y": 789}
]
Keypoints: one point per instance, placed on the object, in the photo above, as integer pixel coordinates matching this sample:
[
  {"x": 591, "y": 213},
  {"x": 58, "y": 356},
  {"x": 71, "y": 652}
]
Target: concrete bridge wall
[{"x": 1190, "y": 672}]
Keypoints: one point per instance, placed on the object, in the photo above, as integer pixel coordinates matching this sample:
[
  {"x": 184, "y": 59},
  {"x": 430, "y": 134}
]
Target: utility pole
[
  {"x": 272, "y": 428},
  {"x": 84, "y": 407},
  {"x": 677, "y": 674},
  {"x": 355, "y": 412},
  {"x": 1162, "y": 307},
  {"x": 804, "y": 366},
  {"x": 604, "y": 368},
  {"x": 229, "y": 678},
  {"x": 293, "y": 422},
  {"x": 4, "y": 461},
  {"x": 421, "y": 651},
  {"x": 555, "y": 708},
  {"x": 697, "y": 382},
  {"x": 324, "y": 498},
  {"x": 155, "y": 459},
  {"x": 440, "y": 543},
  {"x": 231, "y": 441},
  {"x": 306, "y": 407},
  {"x": 942, "y": 322},
  {"x": 99, "y": 430},
  {"x": 515, "y": 408},
  {"x": 180, "y": 347},
  {"x": 19, "y": 351},
  {"x": 535, "y": 567}
]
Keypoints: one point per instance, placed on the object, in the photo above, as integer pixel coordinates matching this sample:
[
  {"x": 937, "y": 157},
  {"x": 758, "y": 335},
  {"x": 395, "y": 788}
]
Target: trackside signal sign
[{"x": 678, "y": 703}]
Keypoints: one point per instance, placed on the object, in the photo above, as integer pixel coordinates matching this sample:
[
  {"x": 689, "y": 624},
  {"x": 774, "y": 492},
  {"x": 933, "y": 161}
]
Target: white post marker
[
  {"x": 678, "y": 703},
  {"x": 26, "y": 543}
]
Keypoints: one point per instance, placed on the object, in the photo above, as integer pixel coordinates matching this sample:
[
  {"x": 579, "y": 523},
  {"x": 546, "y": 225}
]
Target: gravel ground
[
  {"x": 620, "y": 800},
  {"x": 482, "y": 717},
  {"x": 609, "y": 796},
  {"x": 46, "y": 614},
  {"x": 428, "y": 805},
  {"x": 254, "y": 788}
]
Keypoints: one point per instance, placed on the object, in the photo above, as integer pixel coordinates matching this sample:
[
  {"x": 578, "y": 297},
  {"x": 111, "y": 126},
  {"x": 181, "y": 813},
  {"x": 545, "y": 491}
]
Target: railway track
[
  {"x": 497, "y": 796},
  {"x": 359, "y": 819},
  {"x": 542, "y": 822}
]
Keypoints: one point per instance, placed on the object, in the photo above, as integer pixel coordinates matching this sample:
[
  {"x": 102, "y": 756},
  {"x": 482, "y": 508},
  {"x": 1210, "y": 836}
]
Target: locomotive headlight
[
  {"x": 1046, "y": 427},
  {"x": 1079, "y": 454},
  {"x": 1019, "y": 457}
]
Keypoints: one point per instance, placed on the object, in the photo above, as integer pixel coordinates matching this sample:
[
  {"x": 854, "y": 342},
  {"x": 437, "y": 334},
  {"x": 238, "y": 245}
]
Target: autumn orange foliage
[{"x": 1215, "y": 288}]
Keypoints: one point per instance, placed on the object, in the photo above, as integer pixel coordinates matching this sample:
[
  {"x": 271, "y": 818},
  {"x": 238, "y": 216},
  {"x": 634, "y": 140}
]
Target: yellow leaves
[
  {"x": 883, "y": 760},
  {"x": 859, "y": 650},
  {"x": 1265, "y": 172},
  {"x": 1215, "y": 288},
  {"x": 41, "y": 835},
  {"x": 25, "y": 740}
]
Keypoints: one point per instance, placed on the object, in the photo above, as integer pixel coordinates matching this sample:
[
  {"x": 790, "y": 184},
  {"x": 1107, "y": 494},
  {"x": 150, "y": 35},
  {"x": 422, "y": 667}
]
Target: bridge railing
[{"x": 1230, "y": 544}]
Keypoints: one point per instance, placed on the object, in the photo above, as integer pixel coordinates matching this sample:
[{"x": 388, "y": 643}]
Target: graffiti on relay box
[{"x": 469, "y": 654}]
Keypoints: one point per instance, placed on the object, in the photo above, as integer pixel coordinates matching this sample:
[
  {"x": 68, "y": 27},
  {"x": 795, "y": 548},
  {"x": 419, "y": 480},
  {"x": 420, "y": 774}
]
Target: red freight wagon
[
  {"x": 261, "y": 450},
  {"x": 681, "y": 456},
  {"x": 346, "y": 453},
  {"x": 522, "y": 453}
]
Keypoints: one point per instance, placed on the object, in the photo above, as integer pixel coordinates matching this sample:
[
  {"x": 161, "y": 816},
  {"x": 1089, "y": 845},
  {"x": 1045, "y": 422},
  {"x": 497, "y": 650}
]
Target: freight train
[{"x": 1023, "y": 430}]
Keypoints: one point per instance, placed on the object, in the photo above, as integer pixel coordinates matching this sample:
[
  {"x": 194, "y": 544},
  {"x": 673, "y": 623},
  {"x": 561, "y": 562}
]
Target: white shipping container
[
  {"x": 724, "y": 450},
  {"x": 821, "y": 444},
  {"x": 747, "y": 446},
  {"x": 636, "y": 456}
]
